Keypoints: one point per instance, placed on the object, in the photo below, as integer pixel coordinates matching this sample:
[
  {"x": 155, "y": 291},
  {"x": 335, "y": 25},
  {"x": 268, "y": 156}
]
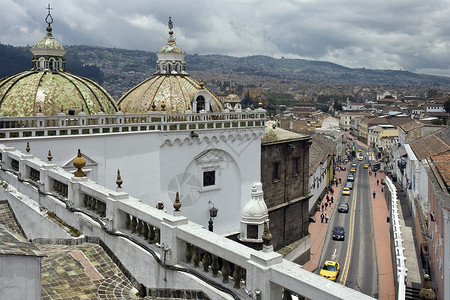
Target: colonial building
[{"x": 284, "y": 177}]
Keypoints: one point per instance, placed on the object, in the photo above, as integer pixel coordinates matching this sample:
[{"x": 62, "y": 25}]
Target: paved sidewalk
[{"x": 386, "y": 288}]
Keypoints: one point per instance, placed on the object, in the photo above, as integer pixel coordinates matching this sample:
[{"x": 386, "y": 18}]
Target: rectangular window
[
  {"x": 276, "y": 171},
  {"x": 209, "y": 178},
  {"x": 296, "y": 166}
]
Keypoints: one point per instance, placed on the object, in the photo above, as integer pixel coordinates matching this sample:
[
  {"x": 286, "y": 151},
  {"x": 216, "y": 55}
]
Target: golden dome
[
  {"x": 28, "y": 93},
  {"x": 177, "y": 92},
  {"x": 47, "y": 88}
]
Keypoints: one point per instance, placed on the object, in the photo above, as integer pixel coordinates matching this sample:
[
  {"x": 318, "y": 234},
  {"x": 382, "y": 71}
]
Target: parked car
[
  {"x": 354, "y": 164},
  {"x": 338, "y": 233},
  {"x": 330, "y": 270},
  {"x": 350, "y": 177},
  {"x": 349, "y": 185},
  {"x": 343, "y": 207}
]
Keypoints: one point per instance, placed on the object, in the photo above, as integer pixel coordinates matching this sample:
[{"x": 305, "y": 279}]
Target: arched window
[
  {"x": 41, "y": 63},
  {"x": 51, "y": 64},
  {"x": 200, "y": 103}
]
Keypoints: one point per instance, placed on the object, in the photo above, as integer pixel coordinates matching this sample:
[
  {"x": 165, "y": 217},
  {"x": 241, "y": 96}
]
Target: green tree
[
  {"x": 447, "y": 105},
  {"x": 337, "y": 105}
]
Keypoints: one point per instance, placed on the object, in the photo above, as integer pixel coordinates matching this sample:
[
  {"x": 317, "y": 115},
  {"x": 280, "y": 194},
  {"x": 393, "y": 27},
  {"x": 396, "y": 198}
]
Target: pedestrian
[
  {"x": 375, "y": 173},
  {"x": 374, "y": 194},
  {"x": 326, "y": 218},
  {"x": 336, "y": 183},
  {"x": 332, "y": 191},
  {"x": 326, "y": 204},
  {"x": 328, "y": 198},
  {"x": 340, "y": 181},
  {"x": 332, "y": 199},
  {"x": 322, "y": 207},
  {"x": 378, "y": 182},
  {"x": 321, "y": 217}
]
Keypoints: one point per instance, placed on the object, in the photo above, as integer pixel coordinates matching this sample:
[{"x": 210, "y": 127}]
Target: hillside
[{"x": 118, "y": 69}]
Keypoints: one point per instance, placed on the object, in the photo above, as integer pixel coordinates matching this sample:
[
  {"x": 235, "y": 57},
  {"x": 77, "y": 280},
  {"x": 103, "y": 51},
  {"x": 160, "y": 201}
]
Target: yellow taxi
[
  {"x": 330, "y": 270},
  {"x": 346, "y": 191},
  {"x": 353, "y": 169},
  {"x": 366, "y": 166},
  {"x": 359, "y": 150},
  {"x": 360, "y": 158}
]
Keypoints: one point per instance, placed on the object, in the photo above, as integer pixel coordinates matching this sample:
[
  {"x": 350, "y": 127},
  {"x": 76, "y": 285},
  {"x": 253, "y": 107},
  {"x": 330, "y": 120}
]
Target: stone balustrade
[
  {"x": 158, "y": 248},
  {"x": 63, "y": 125},
  {"x": 399, "y": 260}
]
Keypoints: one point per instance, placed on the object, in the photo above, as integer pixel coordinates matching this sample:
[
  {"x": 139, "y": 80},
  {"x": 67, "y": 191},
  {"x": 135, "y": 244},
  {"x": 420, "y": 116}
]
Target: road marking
[
  {"x": 334, "y": 254},
  {"x": 348, "y": 256}
]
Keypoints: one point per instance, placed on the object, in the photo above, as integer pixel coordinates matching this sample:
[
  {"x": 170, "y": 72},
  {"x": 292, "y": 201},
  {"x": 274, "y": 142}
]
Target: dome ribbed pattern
[
  {"x": 31, "y": 92},
  {"x": 177, "y": 93}
]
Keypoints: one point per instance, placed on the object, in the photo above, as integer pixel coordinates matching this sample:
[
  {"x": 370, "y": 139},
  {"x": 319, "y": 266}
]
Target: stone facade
[{"x": 284, "y": 175}]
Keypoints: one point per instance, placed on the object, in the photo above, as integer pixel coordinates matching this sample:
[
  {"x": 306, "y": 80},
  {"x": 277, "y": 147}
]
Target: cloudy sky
[{"x": 411, "y": 35}]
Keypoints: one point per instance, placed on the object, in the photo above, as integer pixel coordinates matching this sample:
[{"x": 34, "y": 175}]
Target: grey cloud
[{"x": 403, "y": 34}]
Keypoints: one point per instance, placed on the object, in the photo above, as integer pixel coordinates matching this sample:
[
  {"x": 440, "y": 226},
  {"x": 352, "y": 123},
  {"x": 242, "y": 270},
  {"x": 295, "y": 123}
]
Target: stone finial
[
  {"x": 163, "y": 106},
  {"x": 62, "y": 108},
  {"x": 266, "y": 236},
  {"x": 153, "y": 106},
  {"x": 426, "y": 292},
  {"x": 202, "y": 85},
  {"x": 79, "y": 162},
  {"x": 49, "y": 156},
  {"x": 177, "y": 203},
  {"x": 119, "y": 180},
  {"x": 28, "y": 147}
]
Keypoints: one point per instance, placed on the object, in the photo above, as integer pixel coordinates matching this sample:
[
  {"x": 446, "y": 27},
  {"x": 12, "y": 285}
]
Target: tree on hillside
[
  {"x": 337, "y": 105},
  {"x": 447, "y": 105},
  {"x": 247, "y": 101}
]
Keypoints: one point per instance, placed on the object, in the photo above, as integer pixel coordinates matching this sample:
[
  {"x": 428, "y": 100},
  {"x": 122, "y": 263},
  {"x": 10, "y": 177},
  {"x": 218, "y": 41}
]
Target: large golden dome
[
  {"x": 171, "y": 89},
  {"x": 176, "y": 92},
  {"x": 31, "y": 92},
  {"x": 47, "y": 88}
]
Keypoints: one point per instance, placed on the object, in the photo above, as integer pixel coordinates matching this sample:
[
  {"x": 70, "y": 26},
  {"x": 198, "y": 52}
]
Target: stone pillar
[
  {"x": 115, "y": 218},
  {"x": 258, "y": 274},
  {"x": 74, "y": 194}
]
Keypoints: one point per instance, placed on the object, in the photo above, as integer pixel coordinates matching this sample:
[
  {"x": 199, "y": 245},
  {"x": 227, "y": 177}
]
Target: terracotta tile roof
[
  {"x": 432, "y": 144},
  {"x": 321, "y": 147},
  {"x": 442, "y": 163},
  {"x": 410, "y": 126}
]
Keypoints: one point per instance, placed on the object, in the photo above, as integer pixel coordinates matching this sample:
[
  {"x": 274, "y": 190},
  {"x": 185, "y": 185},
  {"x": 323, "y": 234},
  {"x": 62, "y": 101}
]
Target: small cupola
[
  {"x": 48, "y": 52},
  {"x": 171, "y": 57},
  {"x": 254, "y": 215}
]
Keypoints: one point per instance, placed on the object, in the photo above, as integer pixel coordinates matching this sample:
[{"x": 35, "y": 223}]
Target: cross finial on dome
[
  {"x": 170, "y": 23},
  {"x": 170, "y": 27},
  {"x": 49, "y": 19}
]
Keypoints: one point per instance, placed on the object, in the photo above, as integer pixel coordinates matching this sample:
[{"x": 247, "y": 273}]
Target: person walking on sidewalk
[
  {"x": 378, "y": 182},
  {"x": 326, "y": 218},
  {"x": 326, "y": 205},
  {"x": 321, "y": 217},
  {"x": 322, "y": 208},
  {"x": 332, "y": 199},
  {"x": 374, "y": 194}
]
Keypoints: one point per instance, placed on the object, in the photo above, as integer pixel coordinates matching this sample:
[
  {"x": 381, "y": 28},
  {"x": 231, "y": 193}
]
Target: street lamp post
[{"x": 212, "y": 215}]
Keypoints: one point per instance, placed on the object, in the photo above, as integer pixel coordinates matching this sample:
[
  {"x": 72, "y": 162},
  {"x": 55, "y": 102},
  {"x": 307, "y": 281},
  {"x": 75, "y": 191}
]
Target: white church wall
[
  {"x": 266, "y": 271},
  {"x": 20, "y": 277}
]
